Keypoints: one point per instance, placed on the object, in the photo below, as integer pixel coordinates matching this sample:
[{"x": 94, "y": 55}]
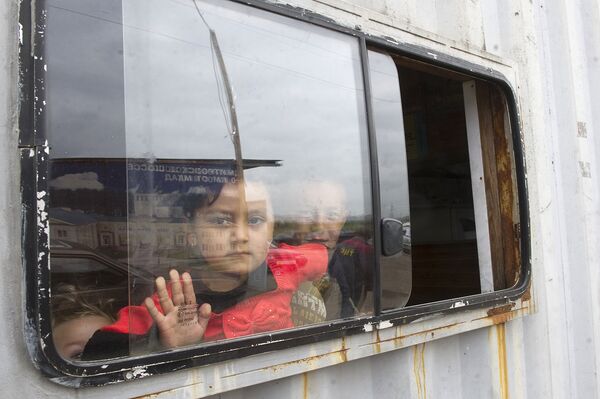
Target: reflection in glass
[
  {"x": 145, "y": 180},
  {"x": 396, "y": 270}
]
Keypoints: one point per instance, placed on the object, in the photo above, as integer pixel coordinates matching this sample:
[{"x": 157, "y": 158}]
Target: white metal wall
[{"x": 553, "y": 51}]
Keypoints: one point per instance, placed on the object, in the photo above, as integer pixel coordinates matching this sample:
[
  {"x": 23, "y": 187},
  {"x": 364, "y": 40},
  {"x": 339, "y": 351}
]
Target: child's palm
[{"x": 182, "y": 321}]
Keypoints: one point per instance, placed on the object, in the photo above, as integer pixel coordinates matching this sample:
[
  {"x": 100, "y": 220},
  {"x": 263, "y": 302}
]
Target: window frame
[{"x": 33, "y": 148}]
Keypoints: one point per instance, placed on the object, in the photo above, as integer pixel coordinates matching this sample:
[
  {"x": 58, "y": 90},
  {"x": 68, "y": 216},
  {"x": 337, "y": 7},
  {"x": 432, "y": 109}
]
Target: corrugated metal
[{"x": 551, "y": 53}]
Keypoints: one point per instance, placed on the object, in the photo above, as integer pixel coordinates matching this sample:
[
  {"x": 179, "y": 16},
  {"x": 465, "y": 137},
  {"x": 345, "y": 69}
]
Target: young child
[
  {"x": 75, "y": 319},
  {"x": 219, "y": 298}
]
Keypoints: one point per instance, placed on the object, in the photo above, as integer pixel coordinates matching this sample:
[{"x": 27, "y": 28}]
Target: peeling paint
[
  {"x": 433, "y": 55},
  {"x": 140, "y": 372},
  {"x": 586, "y": 169},
  {"x": 368, "y": 327},
  {"x": 385, "y": 324},
  {"x": 458, "y": 304},
  {"x": 42, "y": 214},
  {"x": 581, "y": 129}
]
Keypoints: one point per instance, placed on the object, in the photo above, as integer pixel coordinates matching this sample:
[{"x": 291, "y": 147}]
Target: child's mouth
[{"x": 238, "y": 254}]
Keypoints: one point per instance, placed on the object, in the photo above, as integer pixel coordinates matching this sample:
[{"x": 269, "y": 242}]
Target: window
[
  {"x": 288, "y": 182},
  {"x": 464, "y": 238},
  {"x": 276, "y": 229}
]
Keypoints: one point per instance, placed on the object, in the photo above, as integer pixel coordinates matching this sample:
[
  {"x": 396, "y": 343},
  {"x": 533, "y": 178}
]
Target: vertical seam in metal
[{"x": 374, "y": 164}]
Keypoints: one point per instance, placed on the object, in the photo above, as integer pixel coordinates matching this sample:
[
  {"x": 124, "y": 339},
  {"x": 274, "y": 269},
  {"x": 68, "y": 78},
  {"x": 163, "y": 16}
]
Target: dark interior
[{"x": 444, "y": 247}]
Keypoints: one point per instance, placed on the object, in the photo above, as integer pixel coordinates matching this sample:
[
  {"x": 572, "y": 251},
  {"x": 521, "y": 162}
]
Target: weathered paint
[{"x": 549, "y": 51}]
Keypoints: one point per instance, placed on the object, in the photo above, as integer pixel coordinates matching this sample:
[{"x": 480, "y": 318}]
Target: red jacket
[{"x": 290, "y": 265}]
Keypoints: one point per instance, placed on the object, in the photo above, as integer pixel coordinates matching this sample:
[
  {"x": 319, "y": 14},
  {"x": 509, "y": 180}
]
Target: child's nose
[
  {"x": 240, "y": 232},
  {"x": 319, "y": 222}
]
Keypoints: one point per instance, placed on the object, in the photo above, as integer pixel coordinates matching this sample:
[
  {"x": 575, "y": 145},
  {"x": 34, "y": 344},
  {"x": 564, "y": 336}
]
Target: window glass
[
  {"x": 209, "y": 177},
  {"x": 396, "y": 267},
  {"x": 213, "y": 139}
]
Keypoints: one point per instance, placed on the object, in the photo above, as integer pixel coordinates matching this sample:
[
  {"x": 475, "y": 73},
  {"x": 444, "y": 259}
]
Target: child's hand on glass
[{"x": 182, "y": 321}]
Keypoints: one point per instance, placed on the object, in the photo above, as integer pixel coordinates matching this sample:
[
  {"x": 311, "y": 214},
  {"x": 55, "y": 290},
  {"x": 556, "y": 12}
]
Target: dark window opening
[{"x": 456, "y": 126}]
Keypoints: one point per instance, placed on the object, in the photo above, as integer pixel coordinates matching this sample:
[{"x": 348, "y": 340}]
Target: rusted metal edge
[{"x": 342, "y": 350}]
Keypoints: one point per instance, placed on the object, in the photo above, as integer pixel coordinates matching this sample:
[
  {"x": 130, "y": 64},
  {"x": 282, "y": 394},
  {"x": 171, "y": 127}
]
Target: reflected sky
[
  {"x": 389, "y": 125},
  {"x": 84, "y": 79},
  {"x": 138, "y": 79}
]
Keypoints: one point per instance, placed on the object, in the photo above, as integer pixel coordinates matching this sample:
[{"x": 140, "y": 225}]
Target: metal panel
[{"x": 550, "y": 51}]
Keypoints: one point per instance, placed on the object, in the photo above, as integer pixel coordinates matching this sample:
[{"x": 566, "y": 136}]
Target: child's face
[
  {"x": 233, "y": 236},
  {"x": 71, "y": 336},
  {"x": 322, "y": 212}
]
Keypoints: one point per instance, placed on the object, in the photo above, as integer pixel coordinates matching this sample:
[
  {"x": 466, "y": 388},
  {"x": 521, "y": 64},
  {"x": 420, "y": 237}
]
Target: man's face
[
  {"x": 233, "y": 235},
  {"x": 321, "y": 213}
]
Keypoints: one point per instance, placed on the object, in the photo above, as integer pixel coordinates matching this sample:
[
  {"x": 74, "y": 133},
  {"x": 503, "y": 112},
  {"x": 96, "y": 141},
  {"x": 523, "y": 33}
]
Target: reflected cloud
[{"x": 76, "y": 181}]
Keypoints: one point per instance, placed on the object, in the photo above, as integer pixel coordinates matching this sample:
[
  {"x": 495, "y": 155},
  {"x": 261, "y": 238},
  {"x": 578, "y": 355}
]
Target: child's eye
[
  {"x": 219, "y": 220},
  {"x": 256, "y": 220},
  {"x": 334, "y": 216}
]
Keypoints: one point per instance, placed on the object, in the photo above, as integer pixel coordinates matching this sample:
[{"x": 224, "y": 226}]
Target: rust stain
[
  {"x": 305, "y": 385},
  {"x": 527, "y": 295},
  {"x": 497, "y": 317},
  {"x": 343, "y": 352},
  {"x": 501, "y": 337},
  {"x": 500, "y": 309},
  {"x": 419, "y": 370},
  {"x": 397, "y": 340},
  {"x": 307, "y": 361},
  {"x": 430, "y": 331},
  {"x": 502, "y": 318},
  {"x": 377, "y": 342}
]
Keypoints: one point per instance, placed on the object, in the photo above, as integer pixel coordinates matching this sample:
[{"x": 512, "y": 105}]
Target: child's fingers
[
  {"x": 177, "y": 293},
  {"x": 204, "y": 312},
  {"x": 188, "y": 289},
  {"x": 163, "y": 295},
  {"x": 154, "y": 312}
]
